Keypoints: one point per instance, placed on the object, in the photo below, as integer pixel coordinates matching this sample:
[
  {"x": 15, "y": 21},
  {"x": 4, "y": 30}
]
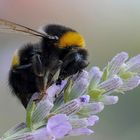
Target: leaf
[{"x": 29, "y": 115}]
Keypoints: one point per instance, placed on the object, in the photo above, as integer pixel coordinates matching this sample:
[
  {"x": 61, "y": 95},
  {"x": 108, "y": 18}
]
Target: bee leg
[
  {"x": 38, "y": 67},
  {"x": 39, "y": 71},
  {"x": 52, "y": 73},
  {"x": 22, "y": 67}
]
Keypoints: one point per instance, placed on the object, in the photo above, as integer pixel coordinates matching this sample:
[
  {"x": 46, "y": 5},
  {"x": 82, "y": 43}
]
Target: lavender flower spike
[{"x": 78, "y": 100}]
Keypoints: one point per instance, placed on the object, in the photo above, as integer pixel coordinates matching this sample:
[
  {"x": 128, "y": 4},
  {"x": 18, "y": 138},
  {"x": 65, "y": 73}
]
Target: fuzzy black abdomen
[{"x": 23, "y": 84}]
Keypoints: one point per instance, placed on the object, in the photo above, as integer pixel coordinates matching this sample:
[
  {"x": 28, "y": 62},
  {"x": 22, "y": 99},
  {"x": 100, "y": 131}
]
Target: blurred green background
[{"x": 109, "y": 27}]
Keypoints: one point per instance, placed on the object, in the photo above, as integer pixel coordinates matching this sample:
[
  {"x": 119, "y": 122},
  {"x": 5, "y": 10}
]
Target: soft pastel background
[{"x": 109, "y": 27}]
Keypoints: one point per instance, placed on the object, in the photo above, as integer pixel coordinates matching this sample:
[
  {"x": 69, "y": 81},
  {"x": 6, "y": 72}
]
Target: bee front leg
[
  {"x": 22, "y": 67},
  {"x": 39, "y": 71},
  {"x": 53, "y": 72}
]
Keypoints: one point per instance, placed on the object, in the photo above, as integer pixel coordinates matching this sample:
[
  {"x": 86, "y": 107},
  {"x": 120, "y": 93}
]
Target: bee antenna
[
  {"x": 52, "y": 37},
  {"x": 46, "y": 35}
]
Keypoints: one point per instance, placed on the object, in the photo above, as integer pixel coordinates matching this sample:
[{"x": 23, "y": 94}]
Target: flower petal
[
  {"x": 79, "y": 88},
  {"x": 116, "y": 63},
  {"x": 59, "y": 126},
  {"x": 111, "y": 84},
  {"x": 80, "y": 131},
  {"x": 41, "y": 134},
  {"x": 15, "y": 129},
  {"x": 95, "y": 76},
  {"x": 42, "y": 110},
  {"x": 83, "y": 122},
  {"x": 54, "y": 90},
  {"x": 133, "y": 60},
  {"x": 134, "y": 68},
  {"x": 130, "y": 84},
  {"x": 109, "y": 100},
  {"x": 92, "y": 120},
  {"x": 73, "y": 106},
  {"x": 91, "y": 109},
  {"x": 83, "y": 74}
]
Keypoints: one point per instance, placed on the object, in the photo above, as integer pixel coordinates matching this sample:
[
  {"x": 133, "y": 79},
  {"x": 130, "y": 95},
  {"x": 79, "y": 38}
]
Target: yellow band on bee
[
  {"x": 15, "y": 60},
  {"x": 71, "y": 39}
]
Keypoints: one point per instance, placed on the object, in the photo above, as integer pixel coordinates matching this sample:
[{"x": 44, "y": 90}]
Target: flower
[
  {"x": 71, "y": 108},
  {"x": 58, "y": 126}
]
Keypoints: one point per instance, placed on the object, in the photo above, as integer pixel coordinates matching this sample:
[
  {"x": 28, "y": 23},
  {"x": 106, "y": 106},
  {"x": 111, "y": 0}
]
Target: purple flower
[
  {"x": 70, "y": 112},
  {"x": 58, "y": 126}
]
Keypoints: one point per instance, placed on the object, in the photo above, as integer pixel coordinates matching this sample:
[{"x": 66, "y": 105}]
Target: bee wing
[{"x": 8, "y": 26}]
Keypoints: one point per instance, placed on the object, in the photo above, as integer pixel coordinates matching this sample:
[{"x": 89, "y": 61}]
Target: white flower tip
[
  {"x": 130, "y": 84},
  {"x": 83, "y": 74},
  {"x": 95, "y": 68},
  {"x": 90, "y": 132},
  {"x": 117, "y": 78},
  {"x": 100, "y": 106},
  {"x": 81, "y": 131},
  {"x": 93, "y": 120},
  {"x": 125, "y": 54},
  {"x": 134, "y": 60},
  {"x": 122, "y": 55},
  {"x": 109, "y": 100},
  {"x": 95, "y": 71},
  {"x": 55, "y": 89},
  {"x": 137, "y": 80},
  {"x": 97, "y": 107},
  {"x": 113, "y": 99},
  {"x": 83, "y": 83}
]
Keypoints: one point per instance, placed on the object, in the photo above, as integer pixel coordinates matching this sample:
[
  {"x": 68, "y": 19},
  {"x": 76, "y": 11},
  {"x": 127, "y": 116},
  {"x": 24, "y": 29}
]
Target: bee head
[{"x": 75, "y": 61}]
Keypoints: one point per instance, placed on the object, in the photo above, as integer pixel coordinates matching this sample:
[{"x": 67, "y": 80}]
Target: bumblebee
[{"x": 34, "y": 65}]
